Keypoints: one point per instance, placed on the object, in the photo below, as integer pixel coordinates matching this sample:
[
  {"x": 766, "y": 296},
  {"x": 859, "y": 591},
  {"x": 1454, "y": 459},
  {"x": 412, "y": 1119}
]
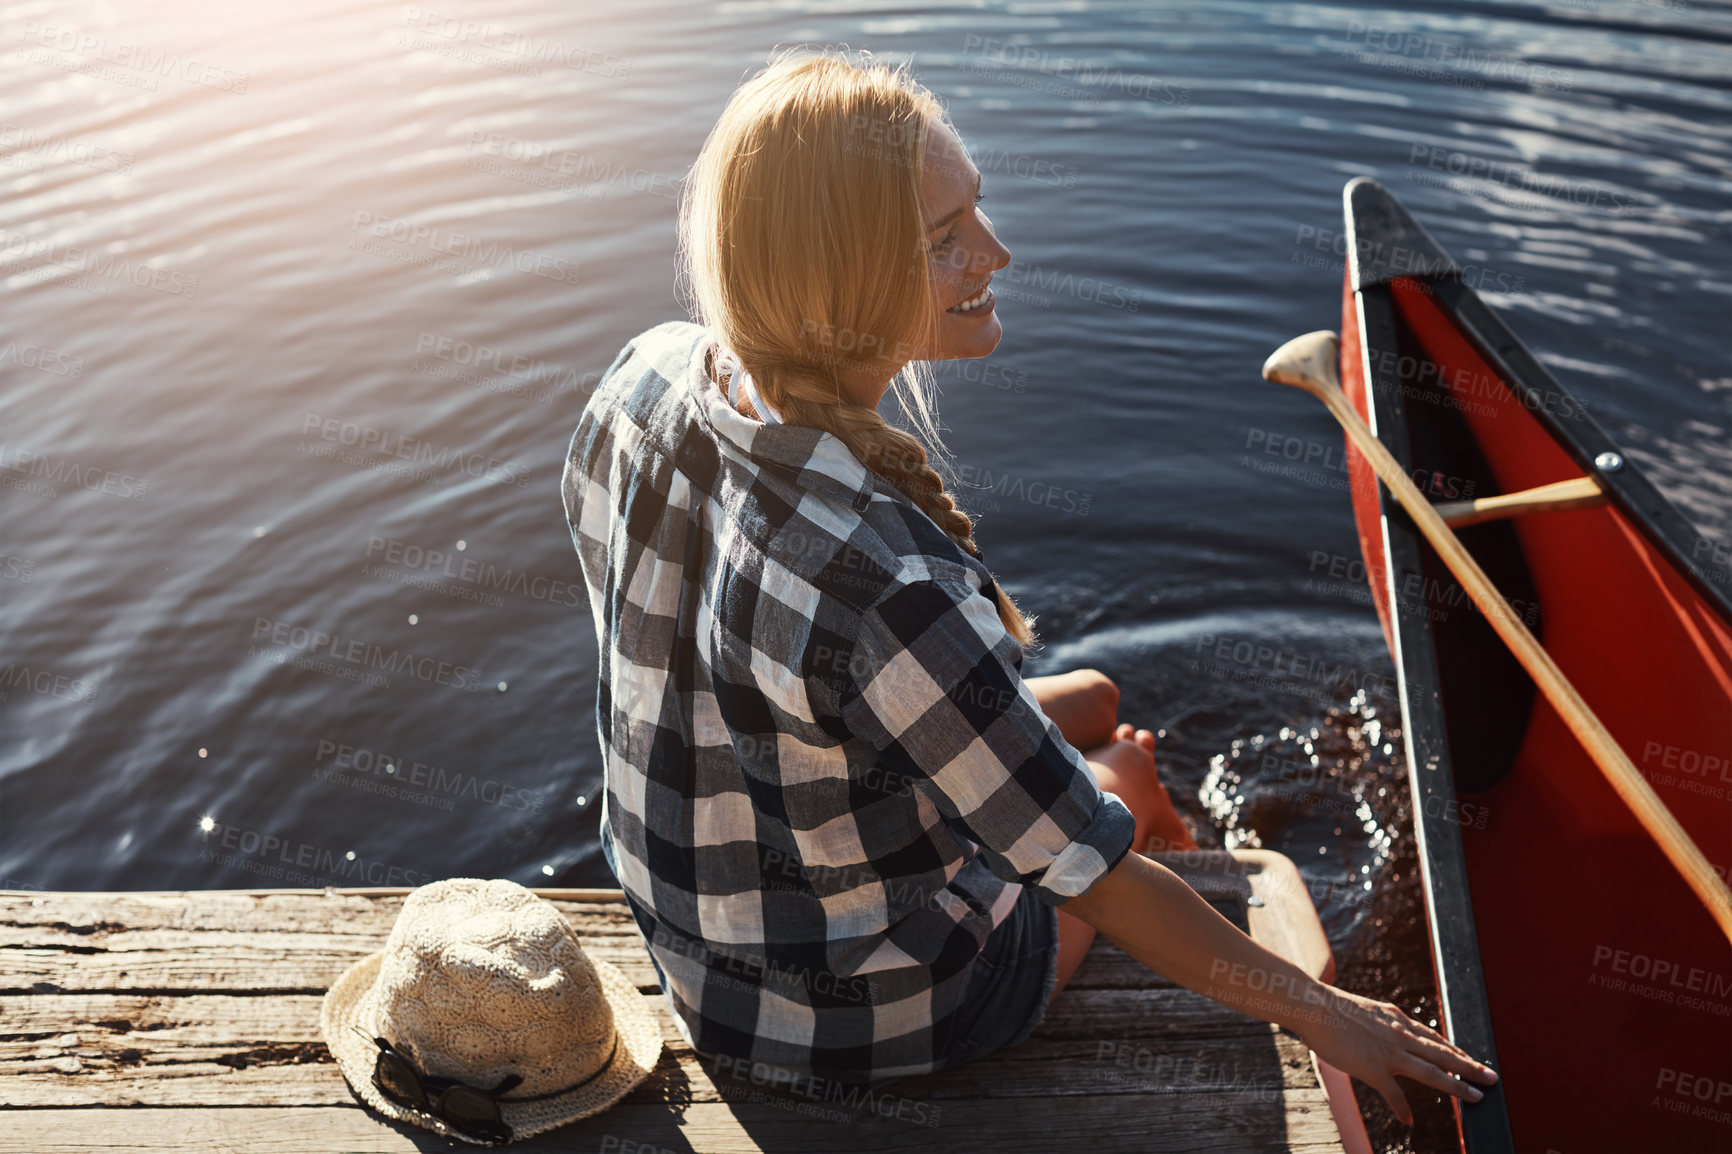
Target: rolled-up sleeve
[{"x": 933, "y": 687}]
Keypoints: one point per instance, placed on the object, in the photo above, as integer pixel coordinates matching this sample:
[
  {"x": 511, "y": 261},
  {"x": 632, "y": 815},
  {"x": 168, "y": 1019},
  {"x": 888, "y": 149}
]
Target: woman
[{"x": 857, "y": 842}]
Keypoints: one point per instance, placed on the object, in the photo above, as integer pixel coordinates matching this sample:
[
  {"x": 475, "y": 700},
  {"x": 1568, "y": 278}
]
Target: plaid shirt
[{"x": 826, "y": 781}]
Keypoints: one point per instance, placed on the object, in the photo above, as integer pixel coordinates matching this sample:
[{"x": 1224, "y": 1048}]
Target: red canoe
[{"x": 1568, "y": 951}]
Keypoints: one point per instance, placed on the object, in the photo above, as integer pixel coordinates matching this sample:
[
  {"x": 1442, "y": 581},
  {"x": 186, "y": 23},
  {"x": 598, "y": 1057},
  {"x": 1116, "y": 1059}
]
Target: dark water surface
[{"x": 301, "y": 305}]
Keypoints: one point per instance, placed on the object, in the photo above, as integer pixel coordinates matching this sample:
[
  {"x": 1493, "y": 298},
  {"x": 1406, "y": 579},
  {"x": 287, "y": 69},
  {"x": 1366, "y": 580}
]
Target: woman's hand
[
  {"x": 1375, "y": 1041},
  {"x": 1162, "y": 923}
]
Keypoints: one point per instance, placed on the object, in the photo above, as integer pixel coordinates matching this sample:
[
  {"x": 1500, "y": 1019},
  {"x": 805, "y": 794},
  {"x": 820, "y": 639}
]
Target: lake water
[{"x": 302, "y": 303}]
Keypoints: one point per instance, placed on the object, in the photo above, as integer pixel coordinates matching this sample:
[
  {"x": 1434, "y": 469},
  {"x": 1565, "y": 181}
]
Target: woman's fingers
[
  {"x": 1452, "y": 1059},
  {"x": 1433, "y": 1047},
  {"x": 1423, "y": 1072}
]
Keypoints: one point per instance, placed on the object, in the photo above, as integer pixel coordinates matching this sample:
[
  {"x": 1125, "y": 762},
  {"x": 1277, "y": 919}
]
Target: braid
[{"x": 895, "y": 455}]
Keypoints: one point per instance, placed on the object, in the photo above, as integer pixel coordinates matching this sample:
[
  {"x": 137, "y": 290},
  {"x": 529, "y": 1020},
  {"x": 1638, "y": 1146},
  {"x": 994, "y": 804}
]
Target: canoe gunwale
[{"x": 1455, "y": 955}]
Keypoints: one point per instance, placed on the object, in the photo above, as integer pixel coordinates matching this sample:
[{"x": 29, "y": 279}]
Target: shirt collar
[{"x": 818, "y": 460}]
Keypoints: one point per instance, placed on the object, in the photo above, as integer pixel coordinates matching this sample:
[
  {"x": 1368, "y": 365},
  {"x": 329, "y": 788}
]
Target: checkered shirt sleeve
[{"x": 934, "y": 691}]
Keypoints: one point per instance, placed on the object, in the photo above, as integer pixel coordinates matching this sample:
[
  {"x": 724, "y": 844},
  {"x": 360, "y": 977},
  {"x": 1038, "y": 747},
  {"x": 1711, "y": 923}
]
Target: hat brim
[{"x": 348, "y": 1006}]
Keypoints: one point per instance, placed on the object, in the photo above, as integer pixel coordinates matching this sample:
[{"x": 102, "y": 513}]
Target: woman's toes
[
  {"x": 1146, "y": 739},
  {"x": 1124, "y": 731}
]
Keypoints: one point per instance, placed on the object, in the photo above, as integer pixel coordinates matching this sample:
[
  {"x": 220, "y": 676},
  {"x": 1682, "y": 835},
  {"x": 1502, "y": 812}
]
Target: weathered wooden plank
[
  {"x": 98, "y": 913},
  {"x": 219, "y": 967},
  {"x": 319, "y": 928},
  {"x": 64, "y": 1050},
  {"x": 260, "y": 972},
  {"x": 176, "y": 960},
  {"x": 1173, "y": 1124},
  {"x": 1078, "y": 1014}
]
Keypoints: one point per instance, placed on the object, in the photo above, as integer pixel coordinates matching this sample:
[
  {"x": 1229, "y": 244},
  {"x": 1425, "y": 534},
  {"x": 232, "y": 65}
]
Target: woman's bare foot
[{"x": 1167, "y": 830}]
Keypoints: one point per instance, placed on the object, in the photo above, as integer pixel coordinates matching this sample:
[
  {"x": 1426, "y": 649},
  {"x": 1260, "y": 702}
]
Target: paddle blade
[{"x": 1307, "y": 362}]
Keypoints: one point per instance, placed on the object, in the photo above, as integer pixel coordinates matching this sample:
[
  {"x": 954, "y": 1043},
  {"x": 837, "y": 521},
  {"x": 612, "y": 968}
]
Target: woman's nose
[
  {"x": 988, "y": 256},
  {"x": 999, "y": 255}
]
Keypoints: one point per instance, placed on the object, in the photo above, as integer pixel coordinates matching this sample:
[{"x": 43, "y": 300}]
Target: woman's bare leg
[
  {"x": 1083, "y": 703},
  {"x": 1124, "y": 767}
]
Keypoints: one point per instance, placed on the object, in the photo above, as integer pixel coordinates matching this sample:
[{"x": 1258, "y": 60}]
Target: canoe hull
[{"x": 1567, "y": 949}]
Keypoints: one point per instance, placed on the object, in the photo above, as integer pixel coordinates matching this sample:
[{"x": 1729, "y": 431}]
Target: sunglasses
[{"x": 460, "y": 1106}]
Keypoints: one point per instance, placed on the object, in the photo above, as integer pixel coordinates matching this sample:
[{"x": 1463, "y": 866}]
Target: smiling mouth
[{"x": 973, "y": 303}]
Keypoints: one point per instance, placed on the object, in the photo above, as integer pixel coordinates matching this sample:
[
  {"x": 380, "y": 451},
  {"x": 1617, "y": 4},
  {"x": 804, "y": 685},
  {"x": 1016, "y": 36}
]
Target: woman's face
[{"x": 963, "y": 250}]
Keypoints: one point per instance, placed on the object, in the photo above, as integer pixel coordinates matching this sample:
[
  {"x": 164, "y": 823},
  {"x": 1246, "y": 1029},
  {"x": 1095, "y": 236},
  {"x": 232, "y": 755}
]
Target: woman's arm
[{"x": 1161, "y": 922}]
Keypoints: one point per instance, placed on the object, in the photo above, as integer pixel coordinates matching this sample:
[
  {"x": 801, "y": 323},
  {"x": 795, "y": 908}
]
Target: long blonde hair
[{"x": 802, "y": 240}]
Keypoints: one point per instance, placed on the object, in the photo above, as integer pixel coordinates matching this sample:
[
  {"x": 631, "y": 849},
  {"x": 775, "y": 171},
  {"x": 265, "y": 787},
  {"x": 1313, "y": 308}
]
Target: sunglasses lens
[
  {"x": 473, "y": 1112},
  {"x": 397, "y": 1081}
]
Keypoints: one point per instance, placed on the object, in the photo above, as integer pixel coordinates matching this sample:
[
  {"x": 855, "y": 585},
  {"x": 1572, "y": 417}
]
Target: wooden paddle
[{"x": 1310, "y": 363}]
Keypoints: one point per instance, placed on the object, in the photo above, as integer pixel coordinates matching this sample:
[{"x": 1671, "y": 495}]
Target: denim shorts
[{"x": 1008, "y": 985}]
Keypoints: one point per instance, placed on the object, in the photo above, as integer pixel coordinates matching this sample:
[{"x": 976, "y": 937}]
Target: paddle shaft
[{"x": 1625, "y": 778}]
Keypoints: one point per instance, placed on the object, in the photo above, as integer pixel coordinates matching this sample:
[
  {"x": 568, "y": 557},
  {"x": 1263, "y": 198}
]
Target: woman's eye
[{"x": 950, "y": 238}]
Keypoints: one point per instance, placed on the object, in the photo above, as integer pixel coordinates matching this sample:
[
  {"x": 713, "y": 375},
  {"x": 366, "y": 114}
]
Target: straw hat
[{"x": 480, "y": 980}]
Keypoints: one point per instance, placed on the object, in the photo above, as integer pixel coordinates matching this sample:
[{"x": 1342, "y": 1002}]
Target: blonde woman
[{"x": 858, "y": 843}]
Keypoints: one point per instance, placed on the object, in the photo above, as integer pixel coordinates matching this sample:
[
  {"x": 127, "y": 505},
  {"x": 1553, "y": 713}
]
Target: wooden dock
[{"x": 188, "y": 1021}]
